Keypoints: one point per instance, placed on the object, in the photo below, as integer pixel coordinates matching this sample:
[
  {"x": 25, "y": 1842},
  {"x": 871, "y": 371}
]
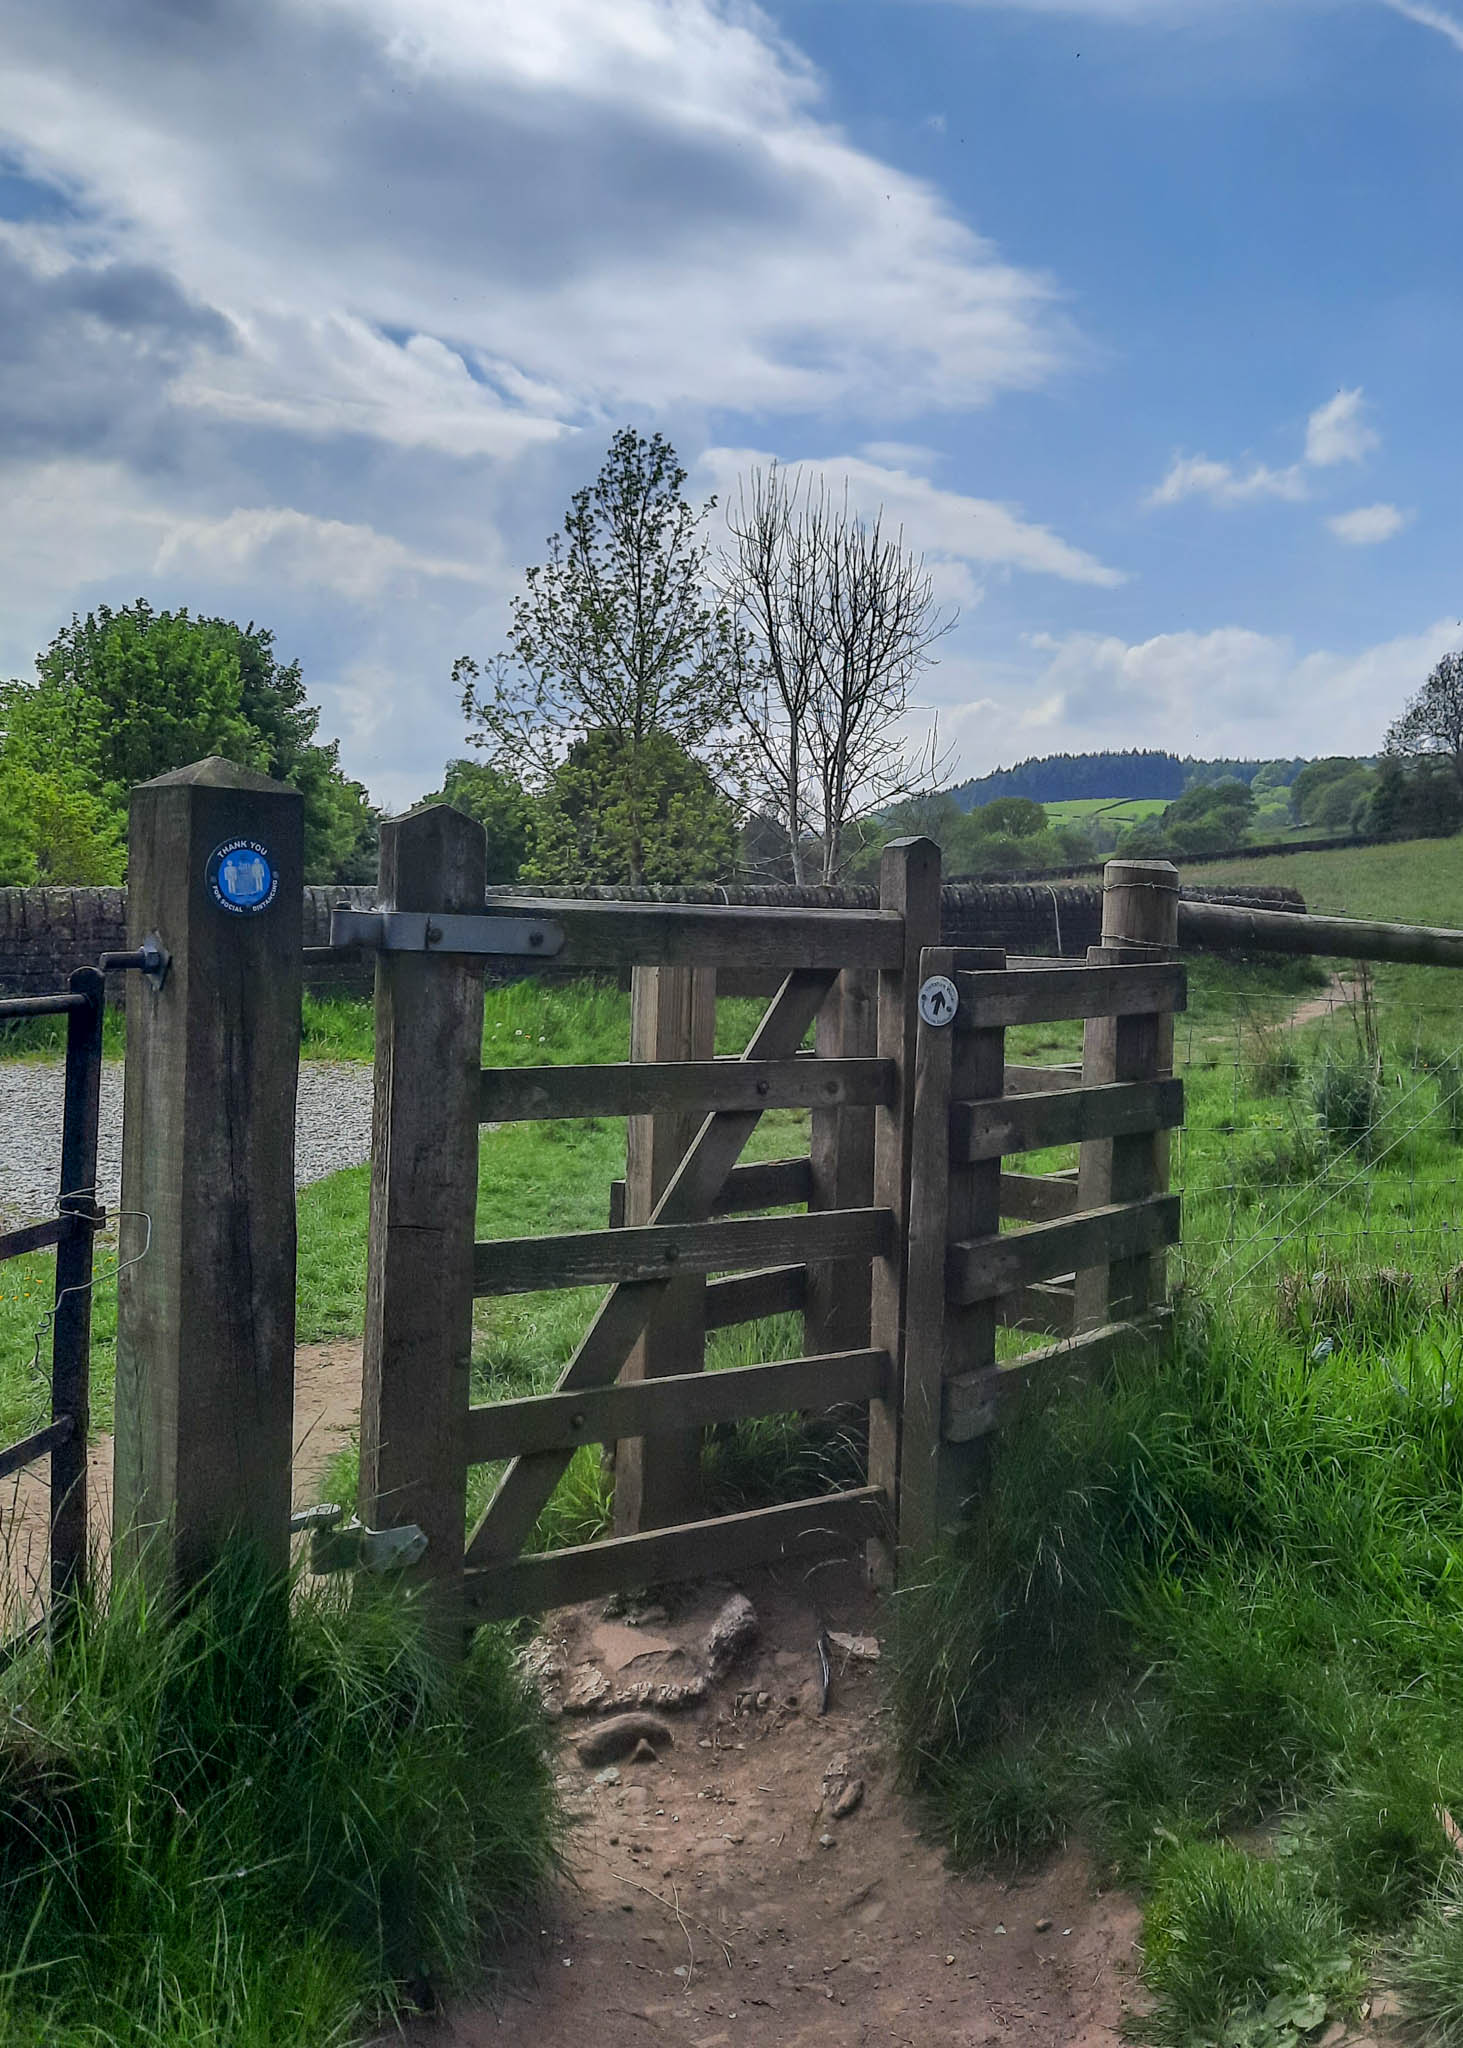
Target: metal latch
[
  {"x": 434, "y": 931},
  {"x": 151, "y": 960},
  {"x": 340, "y": 1546}
]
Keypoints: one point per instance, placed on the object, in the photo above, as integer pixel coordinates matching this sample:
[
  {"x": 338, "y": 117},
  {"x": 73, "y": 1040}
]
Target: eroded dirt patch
[{"x": 762, "y": 1880}]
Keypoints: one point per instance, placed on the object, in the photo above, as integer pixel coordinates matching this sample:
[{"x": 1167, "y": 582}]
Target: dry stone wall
[{"x": 44, "y": 933}]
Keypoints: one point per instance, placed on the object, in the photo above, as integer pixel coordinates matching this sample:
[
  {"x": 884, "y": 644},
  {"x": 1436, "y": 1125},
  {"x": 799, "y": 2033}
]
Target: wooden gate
[
  {"x": 1081, "y": 1258},
  {"x": 420, "y": 1434}
]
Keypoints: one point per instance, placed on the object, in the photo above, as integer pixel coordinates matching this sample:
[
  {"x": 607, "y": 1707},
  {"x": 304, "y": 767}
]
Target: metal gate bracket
[
  {"x": 431, "y": 931},
  {"x": 340, "y": 1546}
]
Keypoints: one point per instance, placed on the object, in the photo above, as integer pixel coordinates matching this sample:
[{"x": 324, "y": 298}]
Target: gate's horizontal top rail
[
  {"x": 38, "y": 1237},
  {"x": 1026, "y": 1123},
  {"x": 985, "y": 1267},
  {"x": 654, "y": 1088},
  {"x": 972, "y": 1402},
  {"x": 695, "y": 1400},
  {"x": 747, "y": 1297},
  {"x": 1335, "y": 938},
  {"x": 992, "y": 997},
  {"x": 32, "y": 1447},
  {"x": 801, "y": 1530},
  {"x": 708, "y": 935},
  {"x": 661, "y": 1251}
]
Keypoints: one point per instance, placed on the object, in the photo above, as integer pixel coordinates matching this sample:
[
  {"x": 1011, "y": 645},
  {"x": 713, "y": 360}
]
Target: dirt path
[
  {"x": 1340, "y": 993},
  {"x": 716, "y": 1898}
]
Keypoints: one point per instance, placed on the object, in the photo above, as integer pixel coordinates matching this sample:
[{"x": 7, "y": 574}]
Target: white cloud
[
  {"x": 1430, "y": 17},
  {"x": 1230, "y": 691},
  {"x": 945, "y": 526},
  {"x": 1336, "y": 431},
  {"x": 1197, "y": 476},
  {"x": 276, "y": 544},
  {"x": 415, "y": 213},
  {"x": 1368, "y": 524}
]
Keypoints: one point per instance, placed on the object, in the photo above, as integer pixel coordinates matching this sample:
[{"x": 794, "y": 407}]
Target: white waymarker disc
[{"x": 938, "y": 1000}]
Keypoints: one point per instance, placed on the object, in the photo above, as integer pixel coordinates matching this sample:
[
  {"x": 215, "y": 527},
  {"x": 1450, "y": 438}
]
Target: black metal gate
[{"x": 71, "y": 1231}]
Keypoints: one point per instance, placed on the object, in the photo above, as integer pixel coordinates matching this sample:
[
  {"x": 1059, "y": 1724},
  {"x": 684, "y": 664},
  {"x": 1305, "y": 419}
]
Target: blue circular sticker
[{"x": 241, "y": 877}]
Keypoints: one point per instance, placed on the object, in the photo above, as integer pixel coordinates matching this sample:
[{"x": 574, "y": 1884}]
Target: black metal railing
[{"x": 72, "y": 1231}]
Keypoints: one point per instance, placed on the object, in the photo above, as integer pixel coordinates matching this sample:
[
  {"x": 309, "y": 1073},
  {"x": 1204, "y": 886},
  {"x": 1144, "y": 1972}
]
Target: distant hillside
[{"x": 1053, "y": 778}]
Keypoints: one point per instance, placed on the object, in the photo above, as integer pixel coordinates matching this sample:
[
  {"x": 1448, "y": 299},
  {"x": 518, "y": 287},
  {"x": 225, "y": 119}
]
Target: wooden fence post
[
  {"x": 946, "y": 1203},
  {"x": 206, "y": 1310},
  {"x": 672, "y": 1017},
  {"x": 836, "y": 1308},
  {"x": 909, "y": 882},
  {"x": 1140, "y": 912},
  {"x": 417, "y": 1356}
]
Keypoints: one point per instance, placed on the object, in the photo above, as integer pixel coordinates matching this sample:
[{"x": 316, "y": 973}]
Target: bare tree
[
  {"x": 1433, "y": 721},
  {"x": 834, "y": 620}
]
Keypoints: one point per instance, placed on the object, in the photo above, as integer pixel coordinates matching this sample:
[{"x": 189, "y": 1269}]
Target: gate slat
[
  {"x": 747, "y": 1297},
  {"x": 526, "y": 1486},
  {"x": 585, "y": 1258},
  {"x": 694, "y": 1400},
  {"x": 655, "y": 1088},
  {"x": 800, "y": 1529},
  {"x": 989, "y": 1266}
]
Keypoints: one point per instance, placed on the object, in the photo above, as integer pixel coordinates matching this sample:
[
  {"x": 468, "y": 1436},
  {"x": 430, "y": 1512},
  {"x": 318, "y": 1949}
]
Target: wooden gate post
[
  {"x": 206, "y": 1298},
  {"x": 909, "y": 882},
  {"x": 672, "y": 1017},
  {"x": 417, "y": 1356},
  {"x": 836, "y": 1307},
  {"x": 947, "y": 1203},
  {"x": 1140, "y": 922}
]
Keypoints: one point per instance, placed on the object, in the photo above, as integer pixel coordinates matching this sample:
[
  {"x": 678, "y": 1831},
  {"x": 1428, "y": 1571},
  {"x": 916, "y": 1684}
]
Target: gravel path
[{"x": 332, "y": 1129}]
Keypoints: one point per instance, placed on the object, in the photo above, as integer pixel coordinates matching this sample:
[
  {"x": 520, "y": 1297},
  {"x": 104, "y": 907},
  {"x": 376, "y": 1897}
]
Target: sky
[{"x": 1140, "y": 317}]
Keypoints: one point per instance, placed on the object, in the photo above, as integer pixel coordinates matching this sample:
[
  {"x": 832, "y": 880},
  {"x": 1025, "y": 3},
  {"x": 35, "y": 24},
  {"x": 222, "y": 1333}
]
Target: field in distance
[{"x": 1073, "y": 810}]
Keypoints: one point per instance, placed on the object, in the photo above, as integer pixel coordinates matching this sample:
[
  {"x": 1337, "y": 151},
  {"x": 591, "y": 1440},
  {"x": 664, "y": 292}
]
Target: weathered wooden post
[
  {"x": 909, "y": 883},
  {"x": 836, "y": 1309},
  {"x": 672, "y": 1017},
  {"x": 206, "y": 1308},
  {"x": 424, "y": 1177},
  {"x": 948, "y": 1203},
  {"x": 1140, "y": 922}
]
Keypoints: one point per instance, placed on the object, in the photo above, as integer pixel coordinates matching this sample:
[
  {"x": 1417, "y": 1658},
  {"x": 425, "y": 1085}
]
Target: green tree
[
  {"x": 616, "y": 634},
  {"x": 501, "y": 806},
  {"x": 122, "y": 696},
  {"x": 1009, "y": 817},
  {"x": 1433, "y": 722},
  {"x": 617, "y": 814},
  {"x": 1310, "y": 786}
]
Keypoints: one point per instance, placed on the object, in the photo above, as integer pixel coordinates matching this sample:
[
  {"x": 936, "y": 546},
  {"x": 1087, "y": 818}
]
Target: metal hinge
[
  {"x": 340, "y": 1546},
  {"x": 434, "y": 931}
]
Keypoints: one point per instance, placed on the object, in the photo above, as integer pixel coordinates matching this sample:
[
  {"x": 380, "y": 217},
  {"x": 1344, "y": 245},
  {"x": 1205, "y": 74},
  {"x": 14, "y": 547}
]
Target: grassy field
[{"x": 1076, "y": 810}]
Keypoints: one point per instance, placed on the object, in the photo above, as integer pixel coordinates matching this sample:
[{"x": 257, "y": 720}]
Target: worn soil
[{"x": 713, "y": 1897}]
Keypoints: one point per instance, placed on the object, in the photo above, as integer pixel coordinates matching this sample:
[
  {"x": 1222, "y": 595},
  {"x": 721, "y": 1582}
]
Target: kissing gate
[
  {"x": 914, "y": 1251},
  {"x": 899, "y": 1251}
]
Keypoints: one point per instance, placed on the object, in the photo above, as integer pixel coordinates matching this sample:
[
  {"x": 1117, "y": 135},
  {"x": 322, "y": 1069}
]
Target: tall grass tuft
[{"x": 259, "y": 1821}]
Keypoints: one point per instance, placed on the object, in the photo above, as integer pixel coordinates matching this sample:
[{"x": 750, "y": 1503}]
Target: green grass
[
  {"x": 1075, "y": 810},
  {"x": 261, "y": 1822}
]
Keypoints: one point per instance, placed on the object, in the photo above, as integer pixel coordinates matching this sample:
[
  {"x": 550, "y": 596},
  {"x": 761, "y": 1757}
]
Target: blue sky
[{"x": 1142, "y": 316}]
